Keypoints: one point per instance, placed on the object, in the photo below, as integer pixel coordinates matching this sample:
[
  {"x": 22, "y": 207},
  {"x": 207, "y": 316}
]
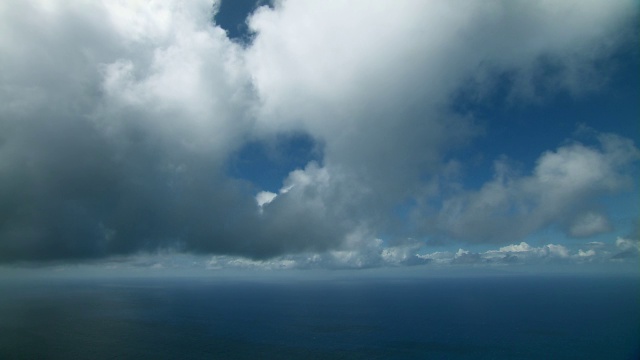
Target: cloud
[
  {"x": 589, "y": 224},
  {"x": 116, "y": 142},
  {"x": 587, "y": 253},
  {"x": 515, "y": 253},
  {"x": 360, "y": 253},
  {"x": 115, "y": 128},
  {"x": 562, "y": 190},
  {"x": 118, "y": 118},
  {"x": 523, "y": 254},
  {"x": 265, "y": 197},
  {"x": 627, "y": 248},
  {"x": 377, "y": 98},
  {"x": 380, "y": 103}
]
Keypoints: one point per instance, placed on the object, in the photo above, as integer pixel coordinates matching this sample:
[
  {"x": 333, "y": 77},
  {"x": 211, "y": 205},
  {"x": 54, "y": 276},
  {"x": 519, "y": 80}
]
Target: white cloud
[
  {"x": 182, "y": 79},
  {"x": 522, "y": 247},
  {"x": 588, "y": 253},
  {"x": 264, "y": 198},
  {"x": 561, "y": 186},
  {"x": 437, "y": 257},
  {"x": 556, "y": 250},
  {"x": 376, "y": 98},
  {"x": 525, "y": 254}
]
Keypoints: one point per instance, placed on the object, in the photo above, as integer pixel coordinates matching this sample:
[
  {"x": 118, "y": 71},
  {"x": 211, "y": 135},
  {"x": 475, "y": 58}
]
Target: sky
[{"x": 319, "y": 135}]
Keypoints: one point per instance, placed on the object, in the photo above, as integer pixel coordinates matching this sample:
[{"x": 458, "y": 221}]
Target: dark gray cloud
[
  {"x": 115, "y": 128},
  {"x": 72, "y": 193},
  {"x": 117, "y": 121}
]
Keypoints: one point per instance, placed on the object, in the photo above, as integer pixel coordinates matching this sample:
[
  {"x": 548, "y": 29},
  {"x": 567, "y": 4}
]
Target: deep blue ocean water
[{"x": 518, "y": 317}]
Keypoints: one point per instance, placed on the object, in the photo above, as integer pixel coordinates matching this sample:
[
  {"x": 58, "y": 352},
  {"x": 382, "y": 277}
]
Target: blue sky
[{"x": 340, "y": 135}]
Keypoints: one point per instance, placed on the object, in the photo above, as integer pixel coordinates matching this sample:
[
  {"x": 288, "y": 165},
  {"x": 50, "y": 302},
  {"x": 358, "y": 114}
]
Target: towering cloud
[{"x": 118, "y": 120}]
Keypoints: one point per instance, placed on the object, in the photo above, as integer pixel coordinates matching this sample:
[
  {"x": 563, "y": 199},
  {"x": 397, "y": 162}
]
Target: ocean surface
[{"x": 517, "y": 317}]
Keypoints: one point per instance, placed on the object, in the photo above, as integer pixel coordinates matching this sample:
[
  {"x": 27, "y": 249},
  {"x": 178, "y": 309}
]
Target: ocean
[{"x": 492, "y": 317}]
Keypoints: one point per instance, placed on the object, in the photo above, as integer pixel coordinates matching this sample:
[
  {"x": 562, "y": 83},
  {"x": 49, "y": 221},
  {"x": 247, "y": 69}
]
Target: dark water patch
[{"x": 492, "y": 318}]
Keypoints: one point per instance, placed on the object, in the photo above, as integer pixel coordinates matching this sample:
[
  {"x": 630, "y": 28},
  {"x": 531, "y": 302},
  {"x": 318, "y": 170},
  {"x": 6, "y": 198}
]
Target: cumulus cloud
[
  {"x": 115, "y": 127},
  {"x": 118, "y": 118},
  {"x": 562, "y": 190},
  {"x": 380, "y": 144},
  {"x": 117, "y": 141}
]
